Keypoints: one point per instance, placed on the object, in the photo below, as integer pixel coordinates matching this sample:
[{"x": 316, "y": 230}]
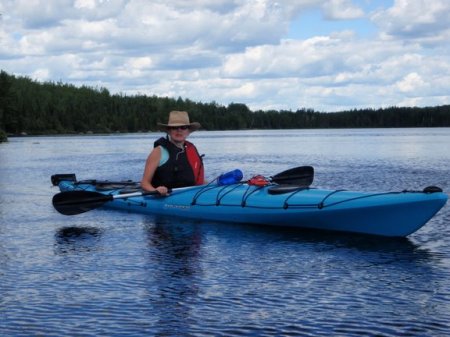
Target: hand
[{"x": 163, "y": 190}]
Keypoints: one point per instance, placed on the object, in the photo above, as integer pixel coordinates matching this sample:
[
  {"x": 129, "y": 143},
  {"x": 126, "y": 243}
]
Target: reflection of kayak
[{"x": 386, "y": 214}]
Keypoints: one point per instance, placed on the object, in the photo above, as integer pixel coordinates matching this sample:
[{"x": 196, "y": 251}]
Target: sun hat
[{"x": 179, "y": 118}]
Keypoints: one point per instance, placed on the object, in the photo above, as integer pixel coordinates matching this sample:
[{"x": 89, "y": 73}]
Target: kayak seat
[
  {"x": 432, "y": 189},
  {"x": 285, "y": 188}
]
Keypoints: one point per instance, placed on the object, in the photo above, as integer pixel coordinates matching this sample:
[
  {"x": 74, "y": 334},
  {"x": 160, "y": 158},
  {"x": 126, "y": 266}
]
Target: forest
[{"x": 29, "y": 107}]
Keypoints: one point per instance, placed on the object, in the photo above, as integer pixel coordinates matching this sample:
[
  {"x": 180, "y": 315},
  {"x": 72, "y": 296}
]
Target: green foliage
[
  {"x": 30, "y": 107},
  {"x": 3, "y": 137}
]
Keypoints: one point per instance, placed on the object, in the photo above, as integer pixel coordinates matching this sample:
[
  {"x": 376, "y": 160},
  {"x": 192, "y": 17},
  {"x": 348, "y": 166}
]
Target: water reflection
[
  {"x": 76, "y": 239},
  {"x": 212, "y": 267},
  {"x": 399, "y": 247},
  {"x": 174, "y": 259}
]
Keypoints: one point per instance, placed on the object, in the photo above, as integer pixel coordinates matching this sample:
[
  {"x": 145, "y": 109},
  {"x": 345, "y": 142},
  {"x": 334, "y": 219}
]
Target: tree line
[{"x": 35, "y": 108}]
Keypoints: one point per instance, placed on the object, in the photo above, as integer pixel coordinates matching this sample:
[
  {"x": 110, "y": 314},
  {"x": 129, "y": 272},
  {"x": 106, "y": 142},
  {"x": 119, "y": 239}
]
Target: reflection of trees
[
  {"x": 174, "y": 253},
  {"x": 76, "y": 239}
]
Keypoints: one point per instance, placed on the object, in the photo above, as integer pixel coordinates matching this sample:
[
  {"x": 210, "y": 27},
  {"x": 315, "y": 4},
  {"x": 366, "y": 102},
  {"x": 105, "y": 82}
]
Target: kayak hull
[{"x": 393, "y": 214}]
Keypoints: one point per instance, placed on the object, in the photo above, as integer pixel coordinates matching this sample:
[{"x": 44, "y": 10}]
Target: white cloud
[
  {"x": 410, "y": 83},
  {"x": 234, "y": 50},
  {"x": 341, "y": 10},
  {"x": 419, "y": 20},
  {"x": 41, "y": 74},
  {"x": 136, "y": 67},
  {"x": 89, "y": 4}
]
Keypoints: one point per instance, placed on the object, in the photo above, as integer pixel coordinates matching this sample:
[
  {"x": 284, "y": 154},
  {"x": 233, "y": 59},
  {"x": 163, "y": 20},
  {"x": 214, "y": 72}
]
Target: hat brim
[{"x": 194, "y": 126}]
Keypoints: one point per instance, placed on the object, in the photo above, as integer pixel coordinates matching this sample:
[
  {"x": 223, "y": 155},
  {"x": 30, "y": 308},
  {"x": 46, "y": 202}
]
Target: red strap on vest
[{"x": 196, "y": 163}]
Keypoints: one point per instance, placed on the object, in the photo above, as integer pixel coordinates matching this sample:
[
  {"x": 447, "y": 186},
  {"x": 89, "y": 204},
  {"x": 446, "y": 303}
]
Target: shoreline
[{"x": 91, "y": 133}]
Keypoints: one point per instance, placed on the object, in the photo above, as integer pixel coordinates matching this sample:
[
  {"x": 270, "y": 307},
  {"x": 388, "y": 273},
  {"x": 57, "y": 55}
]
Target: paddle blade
[
  {"x": 302, "y": 176},
  {"x": 76, "y": 202}
]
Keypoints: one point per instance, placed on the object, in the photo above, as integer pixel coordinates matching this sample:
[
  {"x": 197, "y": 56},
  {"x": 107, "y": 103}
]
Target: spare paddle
[
  {"x": 302, "y": 176},
  {"x": 76, "y": 202}
]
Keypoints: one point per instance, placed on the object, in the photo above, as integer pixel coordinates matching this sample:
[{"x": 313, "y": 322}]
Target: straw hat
[{"x": 179, "y": 118}]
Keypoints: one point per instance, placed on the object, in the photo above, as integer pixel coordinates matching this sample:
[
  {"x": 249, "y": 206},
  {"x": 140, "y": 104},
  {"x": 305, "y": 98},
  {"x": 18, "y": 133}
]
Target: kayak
[{"x": 392, "y": 214}]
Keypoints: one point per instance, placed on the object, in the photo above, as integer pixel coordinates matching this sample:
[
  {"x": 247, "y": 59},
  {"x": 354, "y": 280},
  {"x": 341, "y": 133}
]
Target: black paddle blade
[
  {"x": 76, "y": 202},
  {"x": 302, "y": 176}
]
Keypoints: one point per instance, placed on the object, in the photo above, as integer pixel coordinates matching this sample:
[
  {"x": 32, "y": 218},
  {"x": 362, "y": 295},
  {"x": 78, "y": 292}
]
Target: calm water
[{"x": 106, "y": 273}]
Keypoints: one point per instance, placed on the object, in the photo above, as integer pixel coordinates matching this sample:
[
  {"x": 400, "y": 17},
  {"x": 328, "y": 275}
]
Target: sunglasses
[{"x": 183, "y": 127}]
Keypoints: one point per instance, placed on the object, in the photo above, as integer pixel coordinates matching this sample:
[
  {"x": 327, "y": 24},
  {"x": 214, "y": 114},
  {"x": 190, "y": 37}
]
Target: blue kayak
[{"x": 393, "y": 214}]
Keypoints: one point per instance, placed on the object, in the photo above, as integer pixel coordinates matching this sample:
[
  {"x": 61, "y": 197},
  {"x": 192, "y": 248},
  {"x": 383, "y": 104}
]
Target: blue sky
[
  {"x": 328, "y": 55},
  {"x": 312, "y": 23}
]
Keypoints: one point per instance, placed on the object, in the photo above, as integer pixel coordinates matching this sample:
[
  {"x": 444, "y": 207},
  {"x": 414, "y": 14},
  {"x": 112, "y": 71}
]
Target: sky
[{"x": 326, "y": 55}]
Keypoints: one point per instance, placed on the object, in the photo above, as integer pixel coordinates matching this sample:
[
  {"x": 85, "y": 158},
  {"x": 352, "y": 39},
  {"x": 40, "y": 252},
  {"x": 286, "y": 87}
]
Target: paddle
[
  {"x": 302, "y": 176},
  {"x": 76, "y": 202}
]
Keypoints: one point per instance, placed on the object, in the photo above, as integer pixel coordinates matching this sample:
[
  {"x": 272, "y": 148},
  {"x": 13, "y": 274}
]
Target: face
[{"x": 179, "y": 133}]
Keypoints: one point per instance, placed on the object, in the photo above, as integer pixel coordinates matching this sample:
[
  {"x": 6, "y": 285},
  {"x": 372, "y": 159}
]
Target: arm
[{"x": 150, "y": 167}]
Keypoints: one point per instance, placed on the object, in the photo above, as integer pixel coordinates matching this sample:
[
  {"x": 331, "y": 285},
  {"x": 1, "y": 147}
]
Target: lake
[{"x": 109, "y": 273}]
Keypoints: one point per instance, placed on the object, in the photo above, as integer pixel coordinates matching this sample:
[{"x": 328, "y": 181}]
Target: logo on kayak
[{"x": 180, "y": 207}]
